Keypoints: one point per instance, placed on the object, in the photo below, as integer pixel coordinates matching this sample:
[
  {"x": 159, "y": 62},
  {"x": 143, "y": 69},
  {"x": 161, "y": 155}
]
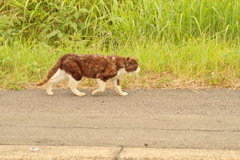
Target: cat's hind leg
[
  {"x": 73, "y": 86},
  {"x": 101, "y": 87},
  {"x": 59, "y": 76},
  {"x": 116, "y": 84}
]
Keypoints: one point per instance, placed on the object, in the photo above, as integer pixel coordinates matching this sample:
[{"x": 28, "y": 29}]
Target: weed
[{"x": 179, "y": 43}]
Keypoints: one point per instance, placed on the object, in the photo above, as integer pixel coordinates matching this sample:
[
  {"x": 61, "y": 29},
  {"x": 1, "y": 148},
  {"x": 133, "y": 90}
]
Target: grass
[
  {"x": 196, "y": 63},
  {"x": 179, "y": 43}
]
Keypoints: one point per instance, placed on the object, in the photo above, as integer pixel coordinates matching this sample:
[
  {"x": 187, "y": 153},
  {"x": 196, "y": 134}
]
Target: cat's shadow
[{"x": 67, "y": 93}]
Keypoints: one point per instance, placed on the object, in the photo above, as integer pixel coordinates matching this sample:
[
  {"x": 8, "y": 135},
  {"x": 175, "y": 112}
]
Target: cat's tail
[{"x": 52, "y": 71}]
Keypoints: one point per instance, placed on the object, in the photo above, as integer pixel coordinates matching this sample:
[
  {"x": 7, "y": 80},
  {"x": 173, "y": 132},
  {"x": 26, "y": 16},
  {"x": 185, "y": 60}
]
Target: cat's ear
[{"x": 134, "y": 57}]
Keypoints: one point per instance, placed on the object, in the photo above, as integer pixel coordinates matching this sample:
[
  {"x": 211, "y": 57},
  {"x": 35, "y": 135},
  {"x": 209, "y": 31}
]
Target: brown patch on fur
[
  {"x": 92, "y": 66},
  {"x": 52, "y": 71},
  {"x": 131, "y": 64},
  {"x": 118, "y": 82}
]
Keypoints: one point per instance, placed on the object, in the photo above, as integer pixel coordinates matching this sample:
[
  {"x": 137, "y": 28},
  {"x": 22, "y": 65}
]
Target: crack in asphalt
[{"x": 117, "y": 156}]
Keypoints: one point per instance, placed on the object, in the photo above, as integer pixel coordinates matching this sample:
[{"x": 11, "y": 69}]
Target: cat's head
[{"x": 131, "y": 65}]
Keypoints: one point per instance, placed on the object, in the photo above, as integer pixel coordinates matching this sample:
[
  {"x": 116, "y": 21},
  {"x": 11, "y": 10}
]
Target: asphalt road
[{"x": 181, "y": 119}]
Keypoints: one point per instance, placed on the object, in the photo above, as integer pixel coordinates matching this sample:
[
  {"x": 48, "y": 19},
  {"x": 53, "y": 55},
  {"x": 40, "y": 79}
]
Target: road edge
[{"x": 28, "y": 152}]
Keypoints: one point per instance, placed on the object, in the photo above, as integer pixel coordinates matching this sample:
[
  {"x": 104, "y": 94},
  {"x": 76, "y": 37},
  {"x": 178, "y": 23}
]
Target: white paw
[
  {"x": 95, "y": 92},
  {"x": 50, "y": 93},
  {"x": 80, "y": 94},
  {"x": 123, "y": 93}
]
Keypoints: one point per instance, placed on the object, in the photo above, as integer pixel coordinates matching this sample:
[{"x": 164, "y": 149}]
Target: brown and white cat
[{"x": 76, "y": 66}]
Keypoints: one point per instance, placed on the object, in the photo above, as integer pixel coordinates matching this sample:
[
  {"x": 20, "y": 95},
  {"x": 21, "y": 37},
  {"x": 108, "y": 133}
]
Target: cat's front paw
[
  {"x": 123, "y": 93},
  {"x": 81, "y": 94},
  {"x": 50, "y": 93}
]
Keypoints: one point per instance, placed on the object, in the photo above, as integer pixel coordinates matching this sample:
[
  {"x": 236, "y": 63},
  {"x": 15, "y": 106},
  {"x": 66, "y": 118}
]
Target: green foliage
[
  {"x": 201, "y": 62},
  {"x": 118, "y": 20},
  {"x": 187, "y": 40}
]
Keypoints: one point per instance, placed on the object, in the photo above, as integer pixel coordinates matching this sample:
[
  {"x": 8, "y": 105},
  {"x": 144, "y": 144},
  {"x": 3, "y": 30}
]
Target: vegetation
[{"x": 180, "y": 43}]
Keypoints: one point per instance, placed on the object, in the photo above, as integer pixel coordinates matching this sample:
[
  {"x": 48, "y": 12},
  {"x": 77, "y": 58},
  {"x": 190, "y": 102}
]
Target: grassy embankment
[{"x": 179, "y": 44}]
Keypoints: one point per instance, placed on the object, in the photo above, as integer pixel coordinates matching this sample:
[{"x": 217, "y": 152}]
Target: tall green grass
[
  {"x": 178, "y": 42},
  {"x": 197, "y": 63},
  {"x": 116, "y": 21}
]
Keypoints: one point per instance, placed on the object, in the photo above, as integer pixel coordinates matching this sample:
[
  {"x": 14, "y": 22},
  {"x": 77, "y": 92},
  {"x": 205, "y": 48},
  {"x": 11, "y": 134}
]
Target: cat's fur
[{"x": 75, "y": 66}]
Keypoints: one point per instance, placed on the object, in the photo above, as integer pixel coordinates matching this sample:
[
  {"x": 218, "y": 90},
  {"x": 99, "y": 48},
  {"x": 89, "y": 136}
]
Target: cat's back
[
  {"x": 89, "y": 64},
  {"x": 91, "y": 59},
  {"x": 87, "y": 57}
]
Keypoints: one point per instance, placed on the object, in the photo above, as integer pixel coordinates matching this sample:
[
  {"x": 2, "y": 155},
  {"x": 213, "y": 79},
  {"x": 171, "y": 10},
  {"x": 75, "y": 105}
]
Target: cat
[{"x": 101, "y": 67}]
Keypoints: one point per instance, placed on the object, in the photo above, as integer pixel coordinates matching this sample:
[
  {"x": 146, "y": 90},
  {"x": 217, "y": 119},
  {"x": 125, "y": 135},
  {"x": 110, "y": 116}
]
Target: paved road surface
[{"x": 201, "y": 119}]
